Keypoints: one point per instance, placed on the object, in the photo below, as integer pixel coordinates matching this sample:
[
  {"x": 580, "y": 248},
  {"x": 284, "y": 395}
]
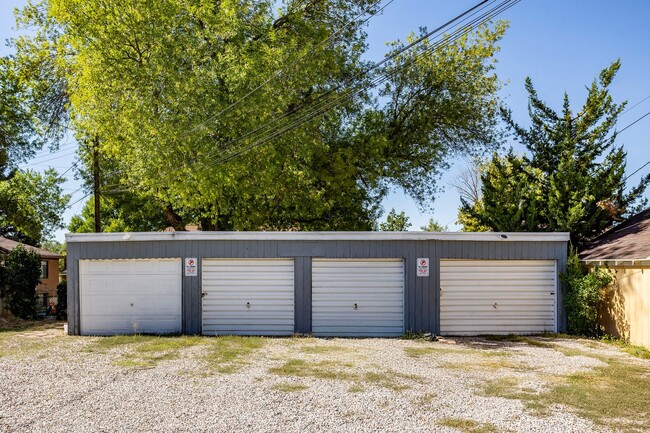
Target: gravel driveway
[{"x": 55, "y": 383}]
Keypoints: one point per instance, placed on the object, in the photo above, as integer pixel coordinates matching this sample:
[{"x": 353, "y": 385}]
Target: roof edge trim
[{"x": 319, "y": 236}]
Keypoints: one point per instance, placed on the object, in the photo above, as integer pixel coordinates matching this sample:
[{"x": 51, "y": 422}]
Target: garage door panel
[
  {"x": 376, "y": 286},
  {"x": 523, "y": 292},
  {"x": 130, "y": 296},
  {"x": 248, "y": 296}
]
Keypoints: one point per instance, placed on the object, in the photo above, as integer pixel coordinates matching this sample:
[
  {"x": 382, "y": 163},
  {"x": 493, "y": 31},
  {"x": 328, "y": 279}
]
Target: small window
[{"x": 44, "y": 269}]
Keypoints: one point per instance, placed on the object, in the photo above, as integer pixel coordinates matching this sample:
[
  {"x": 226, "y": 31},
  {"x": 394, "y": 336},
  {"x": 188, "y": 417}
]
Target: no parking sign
[
  {"x": 191, "y": 267},
  {"x": 423, "y": 267}
]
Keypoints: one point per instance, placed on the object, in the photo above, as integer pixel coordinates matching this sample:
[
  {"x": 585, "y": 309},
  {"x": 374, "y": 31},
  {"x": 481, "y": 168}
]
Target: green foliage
[
  {"x": 155, "y": 85},
  {"x": 395, "y": 222},
  {"x": 62, "y": 300},
  {"x": 19, "y": 276},
  {"x": 124, "y": 212},
  {"x": 433, "y": 226},
  {"x": 31, "y": 206},
  {"x": 572, "y": 180},
  {"x": 583, "y": 296}
]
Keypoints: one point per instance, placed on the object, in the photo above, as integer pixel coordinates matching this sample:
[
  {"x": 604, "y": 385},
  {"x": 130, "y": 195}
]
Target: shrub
[
  {"x": 583, "y": 296},
  {"x": 62, "y": 300},
  {"x": 19, "y": 275}
]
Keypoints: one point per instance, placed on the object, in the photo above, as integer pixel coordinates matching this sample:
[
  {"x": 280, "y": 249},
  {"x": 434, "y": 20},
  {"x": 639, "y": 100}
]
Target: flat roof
[{"x": 319, "y": 236}]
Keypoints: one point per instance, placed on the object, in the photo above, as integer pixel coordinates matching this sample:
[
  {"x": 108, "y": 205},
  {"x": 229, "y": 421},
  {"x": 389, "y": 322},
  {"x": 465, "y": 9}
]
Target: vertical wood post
[{"x": 98, "y": 226}]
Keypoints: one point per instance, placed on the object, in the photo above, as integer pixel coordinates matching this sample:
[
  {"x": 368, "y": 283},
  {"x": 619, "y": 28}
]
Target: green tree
[
  {"x": 433, "y": 226},
  {"x": 395, "y": 222},
  {"x": 573, "y": 177},
  {"x": 19, "y": 275},
  {"x": 31, "y": 203},
  {"x": 31, "y": 206},
  {"x": 121, "y": 211},
  {"x": 156, "y": 86}
]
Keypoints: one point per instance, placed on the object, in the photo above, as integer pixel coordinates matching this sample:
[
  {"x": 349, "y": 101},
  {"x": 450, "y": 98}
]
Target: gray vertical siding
[{"x": 421, "y": 294}]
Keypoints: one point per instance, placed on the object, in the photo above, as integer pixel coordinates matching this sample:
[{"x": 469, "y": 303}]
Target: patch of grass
[
  {"x": 417, "y": 352},
  {"x": 320, "y": 370},
  {"x": 630, "y": 349},
  {"x": 571, "y": 351},
  {"x": 144, "y": 351},
  {"x": 426, "y": 399},
  {"x": 334, "y": 370},
  {"x": 290, "y": 387},
  {"x": 18, "y": 346},
  {"x": 616, "y": 395},
  {"x": 230, "y": 353},
  {"x": 514, "y": 338},
  {"x": 488, "y": 363},
  {"x": 468, "y": 425},
  {"x": 324, "y": 349},
  {"x": 386, "y": 380},
  {"x": 105, "y": 344},
  {"x": 357, "y": 387}
]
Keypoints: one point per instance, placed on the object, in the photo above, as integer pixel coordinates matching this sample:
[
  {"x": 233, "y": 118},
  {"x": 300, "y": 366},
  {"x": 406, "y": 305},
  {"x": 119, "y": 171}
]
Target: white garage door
[
  {"x": 248, "y": 296},
  {"x": 130, "y": 296},
  {"x": 497, "y": 296},
  {"x": 357, "y": 297}
]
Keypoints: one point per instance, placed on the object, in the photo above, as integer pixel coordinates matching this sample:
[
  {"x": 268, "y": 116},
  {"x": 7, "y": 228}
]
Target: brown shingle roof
[
  {"x": 7, "y": 245},
  {"x": 628, "y": 240}
]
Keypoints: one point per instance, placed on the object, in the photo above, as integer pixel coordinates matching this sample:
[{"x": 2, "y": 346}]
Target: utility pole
[{"x": 98, "y": 226}]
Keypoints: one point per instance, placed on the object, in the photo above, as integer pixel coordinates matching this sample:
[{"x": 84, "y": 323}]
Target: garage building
[{"x": 320, "y": 283}]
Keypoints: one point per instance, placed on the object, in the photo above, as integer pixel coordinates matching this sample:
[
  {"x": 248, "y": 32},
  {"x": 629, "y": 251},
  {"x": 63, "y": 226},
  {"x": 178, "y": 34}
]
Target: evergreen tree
[
  {"x": 571, "y": 180},
  {"x": 395, "y": 222}
]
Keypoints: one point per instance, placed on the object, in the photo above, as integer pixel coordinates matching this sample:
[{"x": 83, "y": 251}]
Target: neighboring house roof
[
  {"x": 630, "y": 240},
  {"x": 7, "y": 245}
]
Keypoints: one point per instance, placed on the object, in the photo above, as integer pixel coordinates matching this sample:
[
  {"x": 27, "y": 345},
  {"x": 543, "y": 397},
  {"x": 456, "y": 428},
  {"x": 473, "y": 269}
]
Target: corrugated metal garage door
[
  {"x": 357, "y": 297},
  {"x": 130, "y": 296},
  {"x": 248, "y": 296},
  {"x": 497, "y": 296}
]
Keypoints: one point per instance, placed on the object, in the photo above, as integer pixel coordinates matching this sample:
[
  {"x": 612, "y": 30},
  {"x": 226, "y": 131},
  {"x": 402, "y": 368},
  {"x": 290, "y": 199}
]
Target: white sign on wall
[
  {"x": 191, "y": 267},
  {"x": 423, "y": 267}
]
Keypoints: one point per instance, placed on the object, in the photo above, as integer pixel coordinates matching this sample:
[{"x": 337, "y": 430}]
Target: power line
[
  {"x": 637, "y": 120},
  {"x": 295, "y": 62},
  {"x": 636, "y": 171},
  {"x": 48, "y": 160},
  {"x": 326, "y": 105},
  {"x": 636, "y": 105},
  {"x": 316, "y": 102}
]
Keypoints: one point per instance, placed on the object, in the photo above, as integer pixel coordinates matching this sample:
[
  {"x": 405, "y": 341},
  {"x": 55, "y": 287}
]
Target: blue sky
[{"x": 561, "y": 45}]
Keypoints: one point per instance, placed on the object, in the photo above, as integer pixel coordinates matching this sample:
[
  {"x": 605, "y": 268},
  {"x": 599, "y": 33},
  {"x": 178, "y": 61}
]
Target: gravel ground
[{"x": 56, "y": 384}]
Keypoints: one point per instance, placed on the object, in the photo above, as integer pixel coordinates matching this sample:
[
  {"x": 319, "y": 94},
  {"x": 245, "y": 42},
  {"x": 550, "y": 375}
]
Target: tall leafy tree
[
  {"x": 572, "y": 179},
  {"x": 31, "y": 203},
  {"x": 172, "y": 91}
]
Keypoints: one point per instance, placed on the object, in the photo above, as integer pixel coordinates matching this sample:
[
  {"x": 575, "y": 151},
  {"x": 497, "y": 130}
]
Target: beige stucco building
[{"x": 625, "y": 252}]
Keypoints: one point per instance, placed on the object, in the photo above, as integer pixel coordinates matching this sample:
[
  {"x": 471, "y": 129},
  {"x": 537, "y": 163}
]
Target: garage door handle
[
  {"x": 356, "y": 307},
  {"x": 494, "y": 305},
  {"x": 552, "y": 293},
  {"x": 248, "y": 304},
  {"x": 204, "y": 294}
]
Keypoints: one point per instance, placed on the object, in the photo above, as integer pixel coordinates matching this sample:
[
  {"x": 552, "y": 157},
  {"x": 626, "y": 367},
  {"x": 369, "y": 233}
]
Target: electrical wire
[
  {"x": 636, "y": 105},
  {"x": 317, "y": 101},
  {"x": 637, "y": 120},
  {"x": 327, "y": 105}
]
